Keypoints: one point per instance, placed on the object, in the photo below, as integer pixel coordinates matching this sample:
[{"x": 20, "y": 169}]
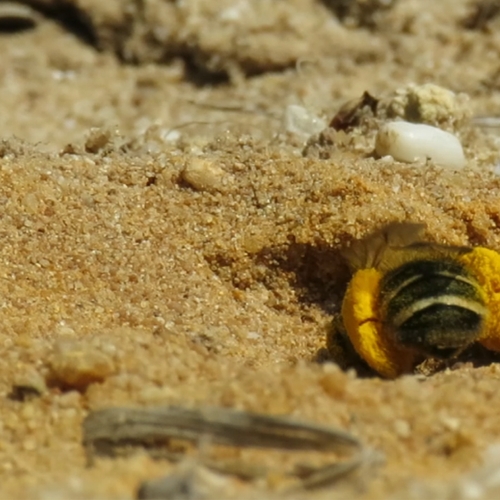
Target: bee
[{"x": 410, "y": 299}]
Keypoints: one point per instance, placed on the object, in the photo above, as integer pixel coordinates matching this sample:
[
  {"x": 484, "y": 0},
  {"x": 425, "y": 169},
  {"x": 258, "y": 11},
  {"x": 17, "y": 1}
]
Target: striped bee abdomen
[{"x": 434, "y": 306}]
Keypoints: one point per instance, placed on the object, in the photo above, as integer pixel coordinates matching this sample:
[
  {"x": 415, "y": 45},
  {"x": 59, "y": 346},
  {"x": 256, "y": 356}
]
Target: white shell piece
[
  {"x": 300, "y": 121},
  {"x": 410, "y": 142}
]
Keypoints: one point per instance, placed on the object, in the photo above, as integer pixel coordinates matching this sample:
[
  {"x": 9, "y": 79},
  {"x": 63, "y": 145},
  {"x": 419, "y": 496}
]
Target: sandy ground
[{"x": 217, "y": 288}]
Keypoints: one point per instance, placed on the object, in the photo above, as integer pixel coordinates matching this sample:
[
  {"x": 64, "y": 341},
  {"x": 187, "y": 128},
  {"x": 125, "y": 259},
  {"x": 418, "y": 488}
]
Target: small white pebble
[
  {"x": 410, "y": 142},
  {"x": 170, "y": 135},
  {"x": 253, "y": 335}
]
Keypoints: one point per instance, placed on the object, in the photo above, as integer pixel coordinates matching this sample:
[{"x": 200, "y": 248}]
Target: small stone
[
  {"x": 205, "y": 175},
  {"x": 451, "y": 423},
  {"x": 75, "y": 365},
  {"x": 31, "y": 203},
  {"x": 97, "y": 140},
  {"x": 411, "y": 142},
  {"x": 28, "y": 385}
]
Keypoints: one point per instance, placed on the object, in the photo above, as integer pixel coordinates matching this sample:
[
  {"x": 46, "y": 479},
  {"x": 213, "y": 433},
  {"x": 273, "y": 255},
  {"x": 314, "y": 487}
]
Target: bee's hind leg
[{"x": 341, "y": 350}]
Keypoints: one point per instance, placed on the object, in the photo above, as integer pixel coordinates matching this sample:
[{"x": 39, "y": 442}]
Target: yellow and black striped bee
[{"x": 410, "y": 299}]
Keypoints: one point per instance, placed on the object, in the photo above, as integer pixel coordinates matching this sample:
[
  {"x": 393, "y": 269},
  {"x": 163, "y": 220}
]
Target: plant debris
[
  {"x": 481, "y": 15},
  {"x": 15, "y": 16},
  {"x": 351, "y": 113},
  {"x": 107, "y": 432}
]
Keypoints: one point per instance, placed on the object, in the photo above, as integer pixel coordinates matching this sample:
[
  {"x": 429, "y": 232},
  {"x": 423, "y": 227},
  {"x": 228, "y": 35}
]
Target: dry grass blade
[
  {"x": 15, "y": 16},
  {"x": 106, "y": 430},
  {"x": 223, "y": 426}
]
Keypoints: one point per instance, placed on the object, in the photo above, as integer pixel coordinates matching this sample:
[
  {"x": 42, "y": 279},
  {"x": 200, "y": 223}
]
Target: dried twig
[
  {"x": 107, "y": 431},
  {"x": 15, "y": 16}
]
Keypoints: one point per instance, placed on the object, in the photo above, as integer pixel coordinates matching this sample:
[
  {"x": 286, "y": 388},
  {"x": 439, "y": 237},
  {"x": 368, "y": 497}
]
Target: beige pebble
[
  {"x": 205, "y": 175},
  {"x": 451, "y": 423},
  {"x": 402, "y": 428},
  {"x": 76, "y": 365},
  {"x": 97, "y": 140},
  {"x": 28, "y": 384}
]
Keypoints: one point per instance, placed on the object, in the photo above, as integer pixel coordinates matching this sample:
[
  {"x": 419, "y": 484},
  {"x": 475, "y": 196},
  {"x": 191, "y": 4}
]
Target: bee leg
[
  {"x": 430, "y": 366},
  {"x": 340, "y": 348}
]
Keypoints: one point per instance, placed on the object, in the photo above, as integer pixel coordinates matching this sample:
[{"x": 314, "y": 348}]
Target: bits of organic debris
[
  {"x": 430, "y": 104},
  {"x": 75, "y": 365},
  {"x": 352, "y": 112},
  {"x": 17, "y": 17},
  {"x": 28, "y": 385},
  {"x": 359, "y": 12},
  {"x": 205, "y": 175},
  {"x": 481, "y": 15},
  {"x": 97, "y": 140},
  {"x": 410, "y": 142},
  {"x": 193, "y": 483},
  {"x": 107, "y": 431}
]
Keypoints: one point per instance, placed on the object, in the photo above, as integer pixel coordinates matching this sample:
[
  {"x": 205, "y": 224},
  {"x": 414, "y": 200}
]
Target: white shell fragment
[
  {"x": 302, "y": 122},
  {"x": 410, "y": 142}
]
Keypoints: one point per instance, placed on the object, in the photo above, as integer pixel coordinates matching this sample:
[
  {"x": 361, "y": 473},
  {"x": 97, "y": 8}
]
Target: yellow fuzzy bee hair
[{"x": 408, "y": 297}]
